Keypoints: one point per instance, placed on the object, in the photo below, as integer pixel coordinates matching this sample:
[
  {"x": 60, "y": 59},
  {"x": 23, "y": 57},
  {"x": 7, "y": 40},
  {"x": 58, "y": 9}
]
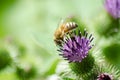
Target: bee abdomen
[{"x": 71, "y": 25}]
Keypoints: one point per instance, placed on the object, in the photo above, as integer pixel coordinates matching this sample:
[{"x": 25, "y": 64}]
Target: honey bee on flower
[{"x": 64, "y": 28}]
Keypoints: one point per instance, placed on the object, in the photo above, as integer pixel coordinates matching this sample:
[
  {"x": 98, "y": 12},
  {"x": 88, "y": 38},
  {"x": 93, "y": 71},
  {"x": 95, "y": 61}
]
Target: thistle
[
  {"x": 26, "y": 71},
  {"x": 108, "y": 72},
  {"x": 113, "y": 7},
  {"x": 110, "y": 25},
  {"x": 105, "y": 76},
  {"x": 75, "y": 48},
  {"x": 5, "y": 59}
]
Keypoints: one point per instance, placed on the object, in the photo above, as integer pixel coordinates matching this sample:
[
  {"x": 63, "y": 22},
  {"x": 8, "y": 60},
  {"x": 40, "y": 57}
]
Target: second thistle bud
[
  {"x": 5, "y": 59},
  {"x": 109, "y": 24},
  {"x": 105, "y": 76},
  {"x": 113, "y": 7}
]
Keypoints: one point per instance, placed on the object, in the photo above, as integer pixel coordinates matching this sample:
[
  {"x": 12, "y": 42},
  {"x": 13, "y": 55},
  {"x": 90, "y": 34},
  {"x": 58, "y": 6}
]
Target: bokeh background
[{"x": 26, "y": 34}]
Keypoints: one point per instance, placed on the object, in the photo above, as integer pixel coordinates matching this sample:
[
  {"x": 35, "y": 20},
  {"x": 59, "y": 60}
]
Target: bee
[{"x": 63, "y": 29}]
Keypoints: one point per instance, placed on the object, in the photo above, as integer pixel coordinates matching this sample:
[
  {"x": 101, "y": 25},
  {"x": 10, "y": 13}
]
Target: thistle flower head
[
  {"x": 113, "y": 7},
  {"x": 105, "y": 76},
  {"x": 75, "y": 47}
]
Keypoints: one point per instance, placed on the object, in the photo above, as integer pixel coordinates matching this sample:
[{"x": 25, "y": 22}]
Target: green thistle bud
[
  {"x": 25, "y": 72},
  {"x": 83, "y": 67},
  {"x": 108, "y": 72},
  {"x": 5, "y": 59}
]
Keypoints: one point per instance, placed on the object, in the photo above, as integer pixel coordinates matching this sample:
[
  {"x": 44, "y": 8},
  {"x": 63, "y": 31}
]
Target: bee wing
[
  {"x": 63, "y": 20},
  {"x": 60, "y": 23}
]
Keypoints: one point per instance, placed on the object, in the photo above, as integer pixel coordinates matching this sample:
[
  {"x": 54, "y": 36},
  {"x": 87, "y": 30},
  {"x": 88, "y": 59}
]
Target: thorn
[
  {"x": 90, "y": 36},
  {"x": 61, "y": 54},
  {"x": 59, "y": 50},
  {"x": 80, "y": 34},
  {"x": 74, "y": 32},
  {"x": 86, "y": 35},
  {"x": 82, "y": 41},
  {"x": 65, "y": 59},
  {"x": 91, "y": 39},
  {"x": 87, "y": 41},
  {"x": 93, "y": 45}
]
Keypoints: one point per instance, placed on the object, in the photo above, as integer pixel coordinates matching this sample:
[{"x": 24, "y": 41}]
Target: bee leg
[
  {"x": 58, "y": 42},
  {"x": 71, "y": 33}
]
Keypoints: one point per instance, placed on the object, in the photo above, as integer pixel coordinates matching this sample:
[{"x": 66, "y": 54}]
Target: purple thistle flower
[
  {"x": 105, "y": 76},
  {"x": 113, "y": 7},
  {"x": 76, "y": 47}
]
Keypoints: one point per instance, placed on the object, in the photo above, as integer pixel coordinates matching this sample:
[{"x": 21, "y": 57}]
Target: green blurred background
[{"x": 26, "y": 32}]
